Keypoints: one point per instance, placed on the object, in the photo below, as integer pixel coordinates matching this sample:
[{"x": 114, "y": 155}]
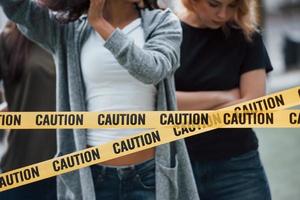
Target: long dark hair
[
  {"x": 17, "y": 49},
  {"x": 71, "y": 10}
]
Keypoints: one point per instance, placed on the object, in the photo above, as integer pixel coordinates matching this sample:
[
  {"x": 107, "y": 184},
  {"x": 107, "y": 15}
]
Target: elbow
[
  {"x": 151, "y": 76},
  {"x": 152, "y": 71},
  {"x": 248, "y": 97},
  {"x": 149, "y": 79}
]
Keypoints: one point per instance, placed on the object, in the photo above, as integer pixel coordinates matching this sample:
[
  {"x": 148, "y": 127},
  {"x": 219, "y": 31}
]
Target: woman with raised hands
[{"x": 112, "y": 56}]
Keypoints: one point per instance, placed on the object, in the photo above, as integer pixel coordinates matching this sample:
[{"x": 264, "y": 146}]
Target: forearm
[
  {"x": 202, "y": 100},
  {"x": 252, "y": 86},
  {"x": 103, "y": 28},
  {"x": 237, "y": 101},
  {"x": 231, "y": 103},
  {"x": 158, "y": 58}
]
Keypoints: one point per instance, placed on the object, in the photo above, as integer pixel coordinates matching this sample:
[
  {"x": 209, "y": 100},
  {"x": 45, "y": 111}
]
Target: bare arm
[
  {"x": 205, "y": 100},
  {"x": 97, "y": 20},
  {"x": 252, "y": 85},
  {"x": 160, "y": 55}
]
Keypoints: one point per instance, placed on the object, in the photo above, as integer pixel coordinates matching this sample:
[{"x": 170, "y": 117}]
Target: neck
[
  {"x": 191, "y": 19},
  {"x": 119, "y": 12}
]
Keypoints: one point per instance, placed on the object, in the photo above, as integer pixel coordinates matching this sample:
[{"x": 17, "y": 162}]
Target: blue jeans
[
  {"x": 44, "y": 189},
  {"x": 136, "y": 182},
  {"x": 238, "y": 178}
]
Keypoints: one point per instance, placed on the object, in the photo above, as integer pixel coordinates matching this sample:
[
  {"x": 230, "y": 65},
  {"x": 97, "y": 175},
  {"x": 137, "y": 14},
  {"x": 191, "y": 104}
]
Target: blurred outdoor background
[{"x": 280, "y": 148}]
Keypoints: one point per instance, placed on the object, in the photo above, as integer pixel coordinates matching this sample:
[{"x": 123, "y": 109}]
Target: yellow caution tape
[
  {"x": 152, "y": 119},
  {"x": 172, "y": 126}
]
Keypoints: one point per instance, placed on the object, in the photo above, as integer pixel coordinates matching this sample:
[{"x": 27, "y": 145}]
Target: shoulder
[
  {"x": 256, "y": 38},
  {"x": 256, "y": 43},
  {"x": 238, "y": 34},
  {"x": 157, "y": 17},
  {"x": 158, "y": 14}
]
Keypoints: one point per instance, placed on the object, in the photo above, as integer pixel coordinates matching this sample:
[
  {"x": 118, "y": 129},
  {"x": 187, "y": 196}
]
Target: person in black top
[
  {"x": 223, "y": 62},
  {"x": 28, "y": 75}
]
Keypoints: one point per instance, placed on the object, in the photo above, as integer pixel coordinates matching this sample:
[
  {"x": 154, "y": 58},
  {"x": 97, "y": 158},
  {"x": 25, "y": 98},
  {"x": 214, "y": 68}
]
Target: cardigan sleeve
[
  {"x": 37, "y": 23},
  {"x": 159, "y": 57}
]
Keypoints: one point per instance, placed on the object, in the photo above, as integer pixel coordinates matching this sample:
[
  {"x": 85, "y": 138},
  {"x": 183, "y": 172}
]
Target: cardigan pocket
[
  {"x": 63, "y": 191},
  {"x": 167, "y": 181}
]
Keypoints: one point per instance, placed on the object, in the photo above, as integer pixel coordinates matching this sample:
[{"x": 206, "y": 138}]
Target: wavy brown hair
[
  {"x": 71, "y": 10},
  {"x": 16, "y": 50},
  {"x": 246, "y": 16}
]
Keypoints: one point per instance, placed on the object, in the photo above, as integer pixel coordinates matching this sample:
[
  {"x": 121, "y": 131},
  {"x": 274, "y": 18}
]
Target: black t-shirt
[{"x": 212, "y": 60}]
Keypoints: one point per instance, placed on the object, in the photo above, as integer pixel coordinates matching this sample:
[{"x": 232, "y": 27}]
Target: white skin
[{"x": 214, "y": 14}]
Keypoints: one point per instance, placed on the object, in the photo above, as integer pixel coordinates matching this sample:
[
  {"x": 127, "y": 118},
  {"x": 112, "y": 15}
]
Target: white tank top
[{"x": 109, "y": 86}]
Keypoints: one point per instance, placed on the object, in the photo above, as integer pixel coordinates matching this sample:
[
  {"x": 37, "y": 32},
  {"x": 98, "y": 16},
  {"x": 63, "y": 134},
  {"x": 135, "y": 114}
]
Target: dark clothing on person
[
  {"x": 239, "y": 178},
  {"x": 34, "y": 91},
  {"x": 212, "y": 60},
  {"x": 41, "y": 190},
  {"x": 133, "y": 182}
]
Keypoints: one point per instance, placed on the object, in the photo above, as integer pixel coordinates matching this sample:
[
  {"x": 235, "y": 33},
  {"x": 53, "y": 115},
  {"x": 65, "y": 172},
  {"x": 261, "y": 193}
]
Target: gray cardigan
[{"x": 154, "y": 64}]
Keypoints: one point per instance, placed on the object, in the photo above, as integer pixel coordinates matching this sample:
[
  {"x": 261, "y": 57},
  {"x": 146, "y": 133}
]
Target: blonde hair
[{"x": 245, "y": 18}]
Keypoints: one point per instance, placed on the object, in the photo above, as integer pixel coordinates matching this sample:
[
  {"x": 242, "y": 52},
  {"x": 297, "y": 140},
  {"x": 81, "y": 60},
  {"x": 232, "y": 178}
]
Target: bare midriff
[{"x": 131, "y": 159}]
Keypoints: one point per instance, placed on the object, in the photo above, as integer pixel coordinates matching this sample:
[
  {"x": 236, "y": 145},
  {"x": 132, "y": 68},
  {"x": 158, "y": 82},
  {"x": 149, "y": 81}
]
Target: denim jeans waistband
[{"x": 123, "y": 170}]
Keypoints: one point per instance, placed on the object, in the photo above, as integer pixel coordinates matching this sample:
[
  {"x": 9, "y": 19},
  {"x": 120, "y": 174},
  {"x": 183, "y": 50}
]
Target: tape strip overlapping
[{"x": 164, "y": 127}]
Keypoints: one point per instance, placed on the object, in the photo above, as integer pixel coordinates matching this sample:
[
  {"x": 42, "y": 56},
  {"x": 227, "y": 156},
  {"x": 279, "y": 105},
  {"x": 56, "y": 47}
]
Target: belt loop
[{"x": 124, "y": 171}]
